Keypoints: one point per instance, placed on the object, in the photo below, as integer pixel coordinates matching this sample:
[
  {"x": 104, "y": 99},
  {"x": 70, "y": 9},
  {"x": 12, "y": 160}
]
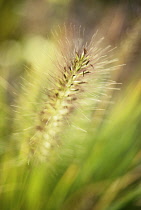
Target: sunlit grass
[{"x": 97, "y": 164}]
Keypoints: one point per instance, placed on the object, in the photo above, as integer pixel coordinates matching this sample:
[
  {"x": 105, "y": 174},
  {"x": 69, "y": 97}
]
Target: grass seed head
[{"x": 82, "y": 71}]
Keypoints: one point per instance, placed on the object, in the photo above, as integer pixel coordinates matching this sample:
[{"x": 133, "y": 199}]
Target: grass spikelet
[{"x": 80, "y": 76}]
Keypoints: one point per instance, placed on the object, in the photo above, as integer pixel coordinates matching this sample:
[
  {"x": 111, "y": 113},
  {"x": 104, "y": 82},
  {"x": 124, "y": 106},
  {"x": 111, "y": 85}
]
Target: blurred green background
[{"x": 97, "y": 170}]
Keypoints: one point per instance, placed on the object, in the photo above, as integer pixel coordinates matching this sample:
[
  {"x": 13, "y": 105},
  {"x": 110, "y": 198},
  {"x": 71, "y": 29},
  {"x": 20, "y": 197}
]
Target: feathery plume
[{"x": 83, "y": 70}]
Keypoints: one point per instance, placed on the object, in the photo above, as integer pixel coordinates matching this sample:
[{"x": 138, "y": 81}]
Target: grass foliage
[{"x": 91, "y": 133}]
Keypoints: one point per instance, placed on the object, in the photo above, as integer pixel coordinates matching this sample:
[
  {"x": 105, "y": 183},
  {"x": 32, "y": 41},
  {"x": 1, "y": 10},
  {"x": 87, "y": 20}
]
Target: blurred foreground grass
[{"x": 99, "y": 170}]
